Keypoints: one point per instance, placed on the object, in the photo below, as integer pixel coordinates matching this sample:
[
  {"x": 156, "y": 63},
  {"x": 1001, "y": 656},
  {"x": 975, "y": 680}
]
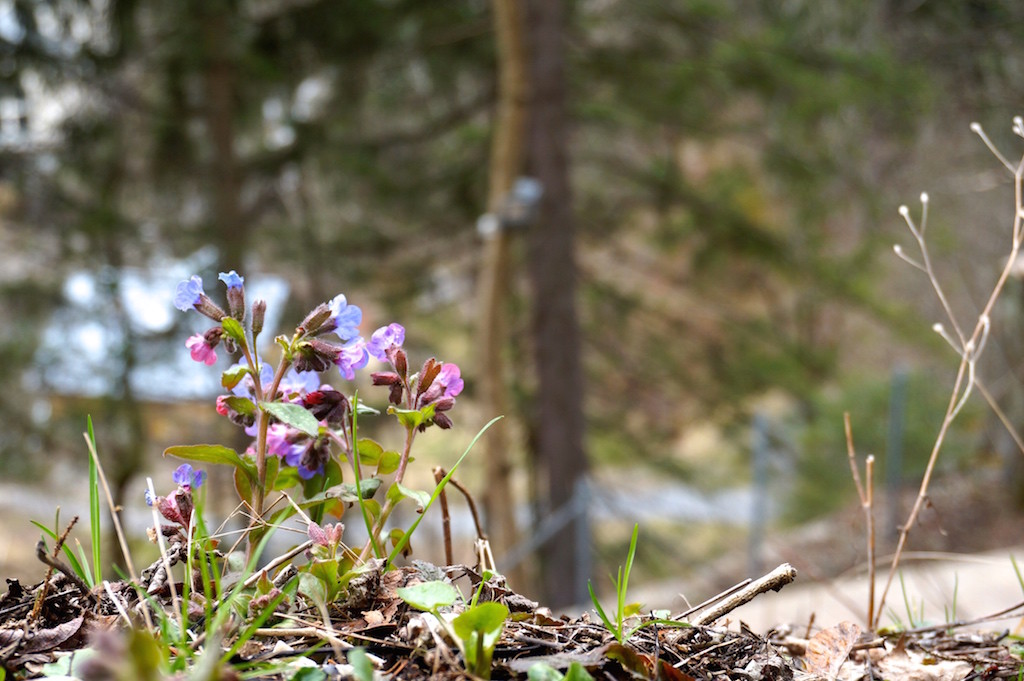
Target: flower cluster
[
  {"x": 437, "y": 383},
  {"x": 328, "y": 336}
]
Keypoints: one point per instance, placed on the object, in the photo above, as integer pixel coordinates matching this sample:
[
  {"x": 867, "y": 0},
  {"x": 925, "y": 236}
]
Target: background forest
[{"x": 710, "y": 246}]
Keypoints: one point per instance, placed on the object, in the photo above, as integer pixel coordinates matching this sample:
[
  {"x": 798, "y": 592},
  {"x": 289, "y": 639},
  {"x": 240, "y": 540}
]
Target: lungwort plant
[{"x": 305, "y": 431}]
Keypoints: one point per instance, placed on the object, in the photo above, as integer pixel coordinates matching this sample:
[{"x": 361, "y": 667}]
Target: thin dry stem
[
  {"x": 446, "y": 519},
  {"x": 965, "y": 377},
  {"x": 867, "y": 502}
]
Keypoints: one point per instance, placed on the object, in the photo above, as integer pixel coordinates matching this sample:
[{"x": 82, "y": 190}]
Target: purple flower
[
  {"x": 450, "y": 379},
  {"x": 200, "y": 350},
  {"x": 231, "y": 279},
  {"x": 346, "y": 317},
  {"x": 390, "y": 336},
  {"x": 299, "y": 383},
  {"x": 189, "y": 478},
  {"x": 353, "y": 356},
  {"x": 278, "y": 443},
  {"x": 188, "y": 293}
]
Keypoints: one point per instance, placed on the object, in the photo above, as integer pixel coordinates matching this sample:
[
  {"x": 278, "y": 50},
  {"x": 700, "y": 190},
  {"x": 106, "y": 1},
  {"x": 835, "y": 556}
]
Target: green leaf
[
  {"x": 287, "y": 478},
  {"x": 293, "y": 415},
  {"x": 243, "y": 486},
  {"x": 233, "y": 376},
  {"x": 364, "y": 409},
  {"x": 213, "y": 454},
  {"x": 347, "y": 491},
  {"x": 389, "y": 461},
  {"x": 312, "y": 587},
  {"x": 413, "y": 418},
  {"x": 485, "y": 618},
  {"x": 369, "y": 451},
  {"x": 578, "y": 672},
  {"x": 243, "y": 405},
  {"x": 478, "y": 630},
  {"x": 541, "y": 671},
  {"x": 233, "y": 330},
  {"x": 309, "y": 674},
  {"x": 396, "y": 536},
  {"x": 429, "y": 596},
  {"x": 398, "y": 491},
  {"x": 362, "y": 668}
]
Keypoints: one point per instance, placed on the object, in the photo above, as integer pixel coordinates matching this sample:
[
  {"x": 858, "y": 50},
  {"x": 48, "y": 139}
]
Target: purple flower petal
[
  {"x": 392, "y": 335},
  {"x": 353, "y": 356},
  {"x": 347, "y": 317},
  {"x": 187, "y": 294},
  {"x": 451, "y": 379},
  {"x": 231, "y": 279}
]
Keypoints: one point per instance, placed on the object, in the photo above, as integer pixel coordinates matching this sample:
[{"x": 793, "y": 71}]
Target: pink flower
[
  {"x": 201, "y": 350},
  {"x": 450, "y": 379}
]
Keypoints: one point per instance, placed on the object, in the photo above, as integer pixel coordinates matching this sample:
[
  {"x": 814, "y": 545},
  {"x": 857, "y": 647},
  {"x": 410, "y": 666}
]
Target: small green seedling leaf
[
  {"x": 398, "y": 491},
  {"x": 362, "y": 668},
  {"x": 478, "y": 630},
  {"x": 293, "y": 415},
  {"x": 545, "y": 672},
  {"x": 429, "y": 596}
]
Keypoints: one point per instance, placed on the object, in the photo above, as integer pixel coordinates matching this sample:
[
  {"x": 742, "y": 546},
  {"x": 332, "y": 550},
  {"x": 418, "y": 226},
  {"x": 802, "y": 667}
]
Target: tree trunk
[
  {"x": 556, "y": 336},
  {"x": 507, "y": 155}
]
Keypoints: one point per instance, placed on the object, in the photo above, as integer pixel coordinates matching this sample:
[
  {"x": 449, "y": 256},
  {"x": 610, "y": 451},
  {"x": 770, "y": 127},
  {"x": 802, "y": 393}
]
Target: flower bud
[
  {"x": 236, "y": 302},
  {"x": 444, "y": 404},
  {"x": 385, "y": 378},
  {"x": 210, "y": 309},
  {"x": 442, "y": 421},
  {"x": 316, "y": 355},
  {"x": 428, "y": 373},
  {"x": 314, "y": 322},
  {"x": 395, "y": 396},
  {"x": 259, "y": 313}
]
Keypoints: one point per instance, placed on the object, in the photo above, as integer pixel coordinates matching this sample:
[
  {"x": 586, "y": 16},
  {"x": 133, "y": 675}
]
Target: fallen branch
[{"x": 773, "y": 581}]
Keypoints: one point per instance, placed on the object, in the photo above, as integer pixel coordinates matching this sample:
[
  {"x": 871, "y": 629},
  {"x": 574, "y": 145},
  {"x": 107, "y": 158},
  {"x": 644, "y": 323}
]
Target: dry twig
[{"x": 968, "y": 348}]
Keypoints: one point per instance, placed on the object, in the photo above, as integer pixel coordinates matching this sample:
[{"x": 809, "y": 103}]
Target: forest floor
[{"x": 824, "y": 609}]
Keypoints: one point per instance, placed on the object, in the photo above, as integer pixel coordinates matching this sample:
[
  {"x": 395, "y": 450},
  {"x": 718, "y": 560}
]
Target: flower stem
[{"x": 389, "y": 505}]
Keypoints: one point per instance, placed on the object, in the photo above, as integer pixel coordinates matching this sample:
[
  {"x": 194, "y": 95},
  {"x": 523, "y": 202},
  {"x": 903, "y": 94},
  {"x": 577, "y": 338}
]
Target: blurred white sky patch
[{"x": 83, "y": 347}]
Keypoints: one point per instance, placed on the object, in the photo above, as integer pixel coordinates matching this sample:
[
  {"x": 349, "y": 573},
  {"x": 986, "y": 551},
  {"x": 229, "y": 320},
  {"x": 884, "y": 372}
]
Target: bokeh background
[{"x": 656, "y": 236}]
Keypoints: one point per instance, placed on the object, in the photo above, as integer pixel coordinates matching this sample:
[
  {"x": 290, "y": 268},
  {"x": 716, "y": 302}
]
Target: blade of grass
[
  {"x": 95, "y": 527},
  {"x": 437, "y": 492},
  {"x": 73, "y": 561}
]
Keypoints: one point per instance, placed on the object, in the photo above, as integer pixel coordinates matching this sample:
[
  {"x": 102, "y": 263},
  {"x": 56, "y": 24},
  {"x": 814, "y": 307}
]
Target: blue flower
[
  {"x": 353, "y": 356},
  {"x": 231, "y": 279},
  {"x": 188, "y": 294},
  {"x": 392, "y": 335},
  {"x": 346, "y": 317},
  {"x": 188, "y": 478},
  {"x": 300, "y": 383}
]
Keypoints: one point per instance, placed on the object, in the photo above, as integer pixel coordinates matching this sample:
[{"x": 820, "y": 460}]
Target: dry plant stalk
[
  {"x": 969, "y": 348},
  {"x": 867, "y": 502}
]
